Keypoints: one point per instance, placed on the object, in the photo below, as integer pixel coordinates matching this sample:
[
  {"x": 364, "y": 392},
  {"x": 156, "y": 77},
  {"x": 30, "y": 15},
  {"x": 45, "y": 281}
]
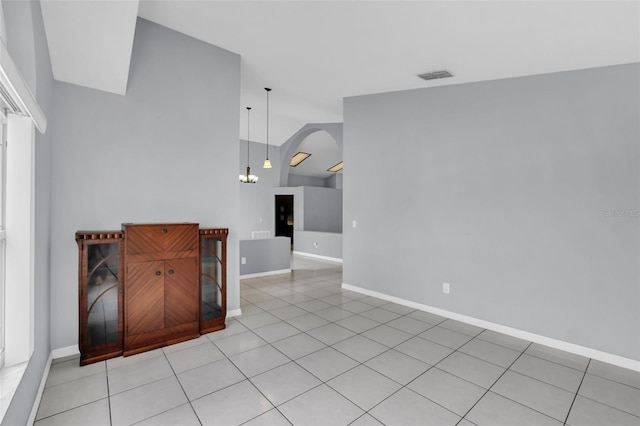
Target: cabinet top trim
[
  {"x": 98, "y": 235},
  {"x": 214, "y": 231}
]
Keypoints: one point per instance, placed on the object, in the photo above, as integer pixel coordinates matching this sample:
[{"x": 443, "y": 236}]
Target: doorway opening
[{"x": 284, "y": 217}]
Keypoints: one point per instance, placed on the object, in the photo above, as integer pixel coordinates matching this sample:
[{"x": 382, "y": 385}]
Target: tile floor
[{"x": 305, "y": 352}]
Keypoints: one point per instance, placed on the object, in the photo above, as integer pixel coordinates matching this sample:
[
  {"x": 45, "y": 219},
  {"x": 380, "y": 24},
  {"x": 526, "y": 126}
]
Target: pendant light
[
  {"x": 248, "y": 178},
  {"x": 267, "y": 163}
]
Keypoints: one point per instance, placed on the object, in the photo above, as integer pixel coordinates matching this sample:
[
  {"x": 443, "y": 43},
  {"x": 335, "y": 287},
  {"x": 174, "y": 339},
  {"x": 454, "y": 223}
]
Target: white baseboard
[
  {"x": 43, "y": 382},
  {"x": 234, "y": 313},
  {"x": 63, "y": 352},
  {"x": 514, "y": 332},
  {"x": 265, "y": 274},
  {"x": 317, "y": 256}
]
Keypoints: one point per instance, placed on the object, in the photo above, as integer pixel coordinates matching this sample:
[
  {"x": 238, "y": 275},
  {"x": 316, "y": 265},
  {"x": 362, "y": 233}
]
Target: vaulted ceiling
[{"x": 315, "y": 53}]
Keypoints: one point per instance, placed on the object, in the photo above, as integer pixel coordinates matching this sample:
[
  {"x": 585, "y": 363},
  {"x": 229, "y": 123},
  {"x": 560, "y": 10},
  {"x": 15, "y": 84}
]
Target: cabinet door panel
[
  {"x": 145, "y": 297},
  {"x": 181, "y": 237},
  {"x": 144, "y": 239},
  {"x": 181, "y": 291}
]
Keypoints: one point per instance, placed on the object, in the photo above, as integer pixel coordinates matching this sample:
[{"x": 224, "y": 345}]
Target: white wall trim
[
  {"x": 43, "y": 382},
  {"x": 234, "y": 313},
  {"x": 64, "y": 352},
  {"x": 317, "y": 256},
  {"x": 514, "y": 332},
  {"x": 266, "y": 273}
]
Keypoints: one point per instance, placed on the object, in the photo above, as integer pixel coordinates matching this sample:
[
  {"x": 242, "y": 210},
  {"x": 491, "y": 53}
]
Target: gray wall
[
  {"x": 326, "y": 244},
  {"x": 255, "y": 207},
  {"x": 300, "y": 180},
  {"x": 27, "y": 45},
  {"x": 139, "y": 158},
  {"x": 322, "y": 209},
  {"x": 269, "y": 254},
  {"x": 509, "y": 198}
]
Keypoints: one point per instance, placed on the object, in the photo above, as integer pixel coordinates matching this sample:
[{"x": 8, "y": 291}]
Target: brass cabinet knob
[
  {"x": 171, "y": 271},
  {"x": 164, "y": 230},
  {"x": 158, "y": 272}
]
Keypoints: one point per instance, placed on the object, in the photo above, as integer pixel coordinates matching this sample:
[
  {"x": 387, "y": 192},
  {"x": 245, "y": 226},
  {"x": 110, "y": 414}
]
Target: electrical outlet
[
  {"x": 445, "y": 288},
  {"x": 243, "y": 260},
  {"x": 315, "y": 244},
  {"x": 354, "y": 223}
]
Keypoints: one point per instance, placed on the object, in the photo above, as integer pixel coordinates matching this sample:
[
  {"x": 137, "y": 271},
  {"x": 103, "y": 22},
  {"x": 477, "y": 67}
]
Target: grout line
[{"x": 575, "y": 396}]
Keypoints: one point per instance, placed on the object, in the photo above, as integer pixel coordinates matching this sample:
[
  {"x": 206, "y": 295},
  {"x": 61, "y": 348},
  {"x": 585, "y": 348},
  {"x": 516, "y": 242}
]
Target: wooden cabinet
[
  {"x": 213, "y": 279},
  {"x": 149, "y": 286},
  {"x": 100, "y": 291},
  {"x": 161, "y": 296}
]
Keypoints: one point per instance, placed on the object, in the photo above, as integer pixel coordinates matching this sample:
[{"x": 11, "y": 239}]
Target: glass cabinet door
[
  {"x": 212, "y": 282},
  {"x": 100, "y": 281}
]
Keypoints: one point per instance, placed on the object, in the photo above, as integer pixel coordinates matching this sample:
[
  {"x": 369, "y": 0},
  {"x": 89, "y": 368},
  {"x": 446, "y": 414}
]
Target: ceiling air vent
[{"x": 435, "y": 74}]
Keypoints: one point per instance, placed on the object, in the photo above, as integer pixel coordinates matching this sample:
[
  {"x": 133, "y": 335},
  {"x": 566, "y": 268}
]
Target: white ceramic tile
[
  {"x": 364, "y": 386},
  {"x": 360, "y": 348},
  {"x": 94, "y": 414},
  {"x": 277, "y": 331},
  {"x": 426, "y": 317},
  {"x": 138, "y": 374},
  {"x": 532, "y": 393},
  {"x": 614, "y": 394},
  {"x": 560, "y": 357},
  {"x": 288, "y": 312},
  {"x": 333, "y": 313},
  {"x": 182, "y": 415},
  {"x": 386, "y": 335},
  {"x": 406, "y": 407},
  {"x": 258, "y": 360},
  {"x": 258, "y": 320},
  {"x": 67, "y": 371},
  {"x": 445, "y": 337},
  {"x": 409, "y": 325},
  {"x": 398, "y": 366},
  {"x": 231, "y": 406},
  {"x": 146, "y": 401},
  {"x": 284, "y": 383},
  {"x": 615, "y": 373},
  {"x": 586, "y": 412},
  {"x": 330, "y": 333},
  {"x": 307, "y": 322},
  {"x": 496, "y": 410},
  {"x": 357, "y": 323},
  {"x": 475, "y": 370},
  {"x": 356, "y": 306},
  {"x": 380, "y": 315},
  {"x": 66, "y": 396},
  {"x": 209, "y": 378},
  {"x": 313, "y": 305},
  {"x": 366, "y": 420},
  {"x": 270, "y": 418},
  {"x": 298, "y": 346},
  {"x": 398, "y": 309},
  {"x": 504, "y": 340},
  {"x": 424, "y": 350},
  {"x": 269, "y": 305},
  {"x": 451, "y": 392},
  {"x": 548, "y": 372},
  {"x": 239, "y": 343},
  {"x": 193, "y": 357},
  {"x": 326, "y": 364},
  {"x": 461, "y": 327},
  {"x": 320, "y": 406},
  {"x": 490, "y": 352}
]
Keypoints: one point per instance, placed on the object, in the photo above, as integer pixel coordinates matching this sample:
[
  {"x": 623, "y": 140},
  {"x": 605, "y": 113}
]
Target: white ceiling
[{"x": 315, "y": 53}]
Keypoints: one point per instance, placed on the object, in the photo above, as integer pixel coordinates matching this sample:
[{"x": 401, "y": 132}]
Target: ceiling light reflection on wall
[
  {"x": 335, "y": 168},
  {"x": 299, "y": 158}
]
